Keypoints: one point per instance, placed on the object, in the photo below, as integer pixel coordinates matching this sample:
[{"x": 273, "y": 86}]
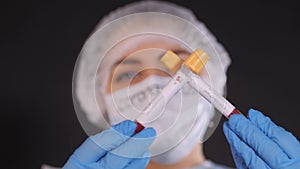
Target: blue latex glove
[
  {"x": 256, "y": 142},
  {"x": 114, "y": 148}
]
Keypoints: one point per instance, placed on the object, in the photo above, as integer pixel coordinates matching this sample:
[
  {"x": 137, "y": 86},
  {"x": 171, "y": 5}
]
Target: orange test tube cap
[
  {"x": 171, "y": 61},
  {"x": 196, "y": 60}
]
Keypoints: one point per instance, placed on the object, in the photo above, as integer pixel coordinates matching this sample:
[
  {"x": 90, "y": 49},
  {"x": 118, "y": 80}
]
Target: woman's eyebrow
[
  {"x": 127, "y": 61},
  {"x": 180, "y": 51}
]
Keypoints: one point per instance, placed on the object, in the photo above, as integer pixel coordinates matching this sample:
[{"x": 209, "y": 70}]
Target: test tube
[{"x": 194, "y": 63}]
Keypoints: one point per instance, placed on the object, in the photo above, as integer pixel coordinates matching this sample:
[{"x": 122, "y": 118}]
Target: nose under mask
[{"x": 180, "y": 126}]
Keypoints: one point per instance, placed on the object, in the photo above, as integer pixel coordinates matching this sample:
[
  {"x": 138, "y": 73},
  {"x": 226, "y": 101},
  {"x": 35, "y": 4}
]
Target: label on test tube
[
  {"x": 155, "y": 109},
  {"x": 219, "y": 102}
]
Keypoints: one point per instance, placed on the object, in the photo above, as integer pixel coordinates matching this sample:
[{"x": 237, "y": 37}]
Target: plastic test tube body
[
  {"x": 219, "y": 102},
  {"x": 156, "y": 106}
]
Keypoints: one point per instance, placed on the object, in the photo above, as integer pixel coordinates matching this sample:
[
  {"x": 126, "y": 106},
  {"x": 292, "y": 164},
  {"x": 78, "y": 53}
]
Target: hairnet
[{"x": 134, "y": 19}]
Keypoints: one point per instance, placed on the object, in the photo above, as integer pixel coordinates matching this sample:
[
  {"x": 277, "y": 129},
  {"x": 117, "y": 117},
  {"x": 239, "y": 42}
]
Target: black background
[{"x": 40, "y": 42}]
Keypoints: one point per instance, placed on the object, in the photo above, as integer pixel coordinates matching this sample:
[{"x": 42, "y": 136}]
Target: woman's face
[
  {"x": 137, "y": 61},
  {"x": 142, "y": 62}
]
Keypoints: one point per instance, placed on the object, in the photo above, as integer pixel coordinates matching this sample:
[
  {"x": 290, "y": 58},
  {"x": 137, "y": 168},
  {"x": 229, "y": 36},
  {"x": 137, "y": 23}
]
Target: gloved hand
[
  {"x": 114, "y": 148},
  {"x": 258, "y": 143}
]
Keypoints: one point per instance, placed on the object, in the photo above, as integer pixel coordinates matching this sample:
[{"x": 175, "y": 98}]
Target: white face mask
[{"x": 180, "y": 127}]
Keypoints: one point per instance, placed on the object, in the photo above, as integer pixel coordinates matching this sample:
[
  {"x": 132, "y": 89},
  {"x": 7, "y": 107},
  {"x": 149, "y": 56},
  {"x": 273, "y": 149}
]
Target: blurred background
[{"x": 40, "y": 42}]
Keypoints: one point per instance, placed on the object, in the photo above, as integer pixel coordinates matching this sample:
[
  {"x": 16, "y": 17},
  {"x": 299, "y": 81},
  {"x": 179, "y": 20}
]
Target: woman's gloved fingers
[
  {"x": 244, "y": 156},
  {"x": 126, "y": 127},
  {"x": 96, "y": 146},
  {"x": 285, "y": 140},
  {"x": 257, "y": 140},
  {"x": 238, "y": 159},
  {"x": 135, "y": 147}
]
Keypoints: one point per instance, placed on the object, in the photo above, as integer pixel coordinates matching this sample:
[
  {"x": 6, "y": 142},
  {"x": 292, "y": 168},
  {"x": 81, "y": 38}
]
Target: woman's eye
[{"x": 126, "y": 76}]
